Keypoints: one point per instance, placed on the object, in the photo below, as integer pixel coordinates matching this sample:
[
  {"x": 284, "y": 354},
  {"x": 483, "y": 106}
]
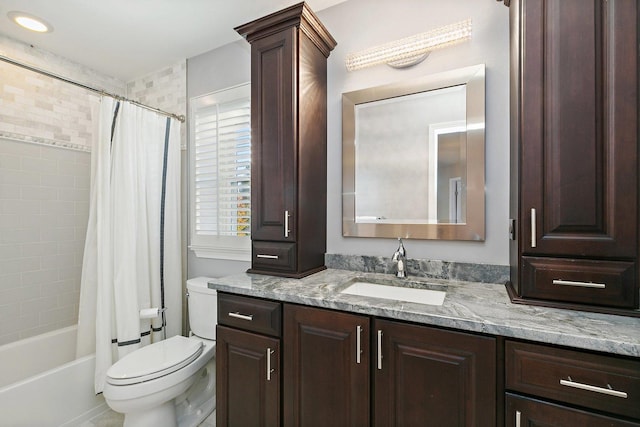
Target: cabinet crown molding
[{"x": 298, "y": 15}]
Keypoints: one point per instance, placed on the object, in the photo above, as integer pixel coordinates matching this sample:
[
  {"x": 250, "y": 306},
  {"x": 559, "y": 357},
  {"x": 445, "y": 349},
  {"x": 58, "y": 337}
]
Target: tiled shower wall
[
  {"x": 39, "y": 108},
  {"x": 44, "y": 189},
  {"x": 165, "y": 89},
  {"x": 44, "y": 206}
]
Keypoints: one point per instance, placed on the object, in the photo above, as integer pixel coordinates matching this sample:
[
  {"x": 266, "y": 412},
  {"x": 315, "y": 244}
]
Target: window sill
[{"x": 227, "y": 253}]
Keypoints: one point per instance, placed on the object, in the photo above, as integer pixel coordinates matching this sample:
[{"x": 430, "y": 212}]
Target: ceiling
[{"x": 131, "y": 38}]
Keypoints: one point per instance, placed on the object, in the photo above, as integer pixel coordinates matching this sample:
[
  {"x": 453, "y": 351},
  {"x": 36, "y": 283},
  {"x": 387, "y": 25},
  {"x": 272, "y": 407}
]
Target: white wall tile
[
  {"x": 9, "y": 281},
  {"x": 38, "y": 165}
]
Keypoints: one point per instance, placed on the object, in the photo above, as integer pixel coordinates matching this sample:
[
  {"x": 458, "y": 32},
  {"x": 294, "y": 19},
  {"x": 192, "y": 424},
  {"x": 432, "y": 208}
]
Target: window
[{"x": 220, "y": 153}]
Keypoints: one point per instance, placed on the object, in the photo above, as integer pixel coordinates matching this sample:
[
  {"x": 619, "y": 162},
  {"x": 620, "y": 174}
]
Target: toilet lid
[{"x": 155, "y": 360}]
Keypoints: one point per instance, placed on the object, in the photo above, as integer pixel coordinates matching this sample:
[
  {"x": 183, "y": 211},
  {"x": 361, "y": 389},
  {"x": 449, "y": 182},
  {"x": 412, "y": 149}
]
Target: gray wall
[{"x": 359, "y": 24}]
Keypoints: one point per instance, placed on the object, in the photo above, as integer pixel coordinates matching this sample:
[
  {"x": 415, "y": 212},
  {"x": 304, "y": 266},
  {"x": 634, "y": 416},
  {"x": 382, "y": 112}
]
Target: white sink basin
[{"x": 398, "y": 293}]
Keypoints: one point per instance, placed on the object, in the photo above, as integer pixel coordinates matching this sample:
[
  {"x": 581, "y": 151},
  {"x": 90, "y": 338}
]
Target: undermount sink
[{"x": 398, "y": 292}]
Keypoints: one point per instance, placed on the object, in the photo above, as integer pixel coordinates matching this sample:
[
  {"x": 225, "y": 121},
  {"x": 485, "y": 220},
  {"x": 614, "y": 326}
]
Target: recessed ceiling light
[{"x": 30, "y": 22}]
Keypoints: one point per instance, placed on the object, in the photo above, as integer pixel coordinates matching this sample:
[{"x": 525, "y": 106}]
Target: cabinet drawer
[
  {"x": 522, "y": 411},
  {"x": 273, "y": 255},
  {"x": 605, "y": 383},
  {"x": 608, "y": 283},
  {"x": 251, "y": 314}
]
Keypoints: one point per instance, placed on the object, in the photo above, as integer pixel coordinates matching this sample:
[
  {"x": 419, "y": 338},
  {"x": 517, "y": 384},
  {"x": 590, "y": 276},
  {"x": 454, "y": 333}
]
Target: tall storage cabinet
[
  {"x": 289, "y": 50},
  {"x": 574, "y": 133}
]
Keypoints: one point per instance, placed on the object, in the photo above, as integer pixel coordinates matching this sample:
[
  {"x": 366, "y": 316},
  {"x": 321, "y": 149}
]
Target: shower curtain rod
[{"x": 181, "y": 118}]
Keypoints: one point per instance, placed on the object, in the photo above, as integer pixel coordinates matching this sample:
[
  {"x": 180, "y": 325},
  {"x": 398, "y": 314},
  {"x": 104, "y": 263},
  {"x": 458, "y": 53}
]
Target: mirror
[{"x": 413, "y": 158}]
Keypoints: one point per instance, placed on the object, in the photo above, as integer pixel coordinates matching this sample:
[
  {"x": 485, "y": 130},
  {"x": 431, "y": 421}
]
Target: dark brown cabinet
[
  {"x": 289, "y": 50},
  {"x": 248, "y": 360},
  {"x": 569, "y": 387},
  {"x": 415, "y": 376},
  {"x": 248, "y": 394},
  {"x": 432, "y": 377},
  {"x": 294, "y": 365},
  {"x": 574, "y": 133},
  {"x": 524, "y": 411},
  {"x": 326, "y": 367}
]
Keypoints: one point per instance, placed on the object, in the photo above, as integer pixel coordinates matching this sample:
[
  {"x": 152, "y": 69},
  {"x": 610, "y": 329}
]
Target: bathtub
[{"x": 42, "y": 384}]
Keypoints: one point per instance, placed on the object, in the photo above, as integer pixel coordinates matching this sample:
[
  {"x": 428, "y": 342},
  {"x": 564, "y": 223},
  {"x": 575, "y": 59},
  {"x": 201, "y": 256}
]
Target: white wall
[{"x": 359, "y": 24}]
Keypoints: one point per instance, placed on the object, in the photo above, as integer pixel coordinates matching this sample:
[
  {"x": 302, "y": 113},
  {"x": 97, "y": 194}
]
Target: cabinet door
[
  {"x": 326, "y": 369},
  {"x": 526, "y": 412},
  {"x": 247, "y": 379},
  {"x": 273, "y": 131},
  {"x": 431, "y": 377},
  {"x": 579, "y": 124}
]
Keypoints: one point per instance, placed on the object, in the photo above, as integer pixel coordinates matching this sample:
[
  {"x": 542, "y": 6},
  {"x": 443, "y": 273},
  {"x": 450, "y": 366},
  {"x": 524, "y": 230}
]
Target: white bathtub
[{"x": 43, "y": 385}]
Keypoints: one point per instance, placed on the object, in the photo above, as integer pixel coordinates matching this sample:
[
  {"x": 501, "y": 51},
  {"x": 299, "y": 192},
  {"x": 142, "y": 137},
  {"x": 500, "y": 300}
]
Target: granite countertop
[{"x": 468, "y": 306}]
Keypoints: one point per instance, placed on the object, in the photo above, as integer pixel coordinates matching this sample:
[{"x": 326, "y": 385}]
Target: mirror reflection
[{"x": 413, "y": 158}]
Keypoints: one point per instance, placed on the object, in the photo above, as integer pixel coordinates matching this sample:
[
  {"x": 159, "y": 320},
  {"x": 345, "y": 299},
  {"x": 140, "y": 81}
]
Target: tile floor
[{"x": 114, "y": 419}]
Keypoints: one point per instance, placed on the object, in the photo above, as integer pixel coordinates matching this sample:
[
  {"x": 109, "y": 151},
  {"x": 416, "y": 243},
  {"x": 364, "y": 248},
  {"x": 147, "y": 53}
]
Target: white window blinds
[{"x": 221, "y": 167}]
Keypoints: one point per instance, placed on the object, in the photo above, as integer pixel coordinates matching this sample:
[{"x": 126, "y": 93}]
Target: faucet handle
[{"x": 401, "y": 248}]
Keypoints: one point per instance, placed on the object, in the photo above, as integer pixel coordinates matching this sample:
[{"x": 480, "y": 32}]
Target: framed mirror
[{"x": 413, "y": 158}]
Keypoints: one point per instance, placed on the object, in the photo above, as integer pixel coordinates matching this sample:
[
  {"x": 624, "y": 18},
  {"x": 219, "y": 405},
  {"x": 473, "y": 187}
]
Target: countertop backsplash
[{"x": 431, "y": 269}]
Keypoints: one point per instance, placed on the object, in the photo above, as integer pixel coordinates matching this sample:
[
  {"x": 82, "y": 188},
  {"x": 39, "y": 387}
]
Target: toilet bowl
[{"x": 170, "y": 383}]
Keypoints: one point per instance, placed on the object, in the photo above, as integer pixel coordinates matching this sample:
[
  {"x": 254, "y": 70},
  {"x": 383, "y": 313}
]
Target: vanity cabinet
[
  {"x": 556, "y": 386},
  {"x": 326, "y": 367},
  {"x": 420, "y": 375},
  {"x": 248, "y": 355},
  {"x": 289, "y": 50},
  {"x": 347, "y": 369},
  {"x": 435, "y": 377},
  {"x": 524, "y": 411},
  {"x": 574, "y": 133}
]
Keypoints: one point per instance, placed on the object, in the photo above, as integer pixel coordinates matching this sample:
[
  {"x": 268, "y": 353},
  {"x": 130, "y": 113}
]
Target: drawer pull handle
[
  {"x": 269, "y": 370},
  {"x": 533, "y": 228},
  {"x": 608, "y": 391},
  {"x": 358, "y": 343},
  {"x": 518, "y": 418},
  {"x": 237, "y": 315},
  {"x": 286, "y": 224},
  {"x": 267, "y": 256},
  {"x": 579, "y": 284},
  {"x": 379, "y": 349}
]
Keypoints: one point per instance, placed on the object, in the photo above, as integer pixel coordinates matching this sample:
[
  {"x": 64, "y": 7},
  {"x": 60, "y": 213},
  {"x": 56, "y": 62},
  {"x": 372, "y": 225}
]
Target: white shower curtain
[{"x": 132, "y": 250}]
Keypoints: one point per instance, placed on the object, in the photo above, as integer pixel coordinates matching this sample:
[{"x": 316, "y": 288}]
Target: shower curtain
[{"x": 132, "y": 249}]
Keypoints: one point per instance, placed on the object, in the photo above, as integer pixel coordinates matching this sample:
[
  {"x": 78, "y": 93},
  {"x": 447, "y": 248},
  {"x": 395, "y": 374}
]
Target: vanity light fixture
[
  {"x": 410, "y": 50},
  {"x": 30, "y": 22}
]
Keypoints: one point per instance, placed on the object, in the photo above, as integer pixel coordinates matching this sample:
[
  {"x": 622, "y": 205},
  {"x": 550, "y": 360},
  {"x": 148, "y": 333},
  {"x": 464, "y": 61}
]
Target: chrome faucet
[{"x": 400, "y": 258}]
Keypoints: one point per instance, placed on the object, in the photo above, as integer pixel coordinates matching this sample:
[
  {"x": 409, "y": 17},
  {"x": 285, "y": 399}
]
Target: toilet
[{"x": 170, "y": 383}]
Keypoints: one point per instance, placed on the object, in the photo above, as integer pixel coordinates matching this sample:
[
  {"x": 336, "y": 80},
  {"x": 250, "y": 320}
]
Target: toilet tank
[{"x": 203, "y": 308}]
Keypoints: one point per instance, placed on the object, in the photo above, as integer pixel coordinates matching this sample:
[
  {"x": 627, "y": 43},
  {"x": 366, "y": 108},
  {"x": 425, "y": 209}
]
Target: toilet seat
[{"x": 154, "y": 361}]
